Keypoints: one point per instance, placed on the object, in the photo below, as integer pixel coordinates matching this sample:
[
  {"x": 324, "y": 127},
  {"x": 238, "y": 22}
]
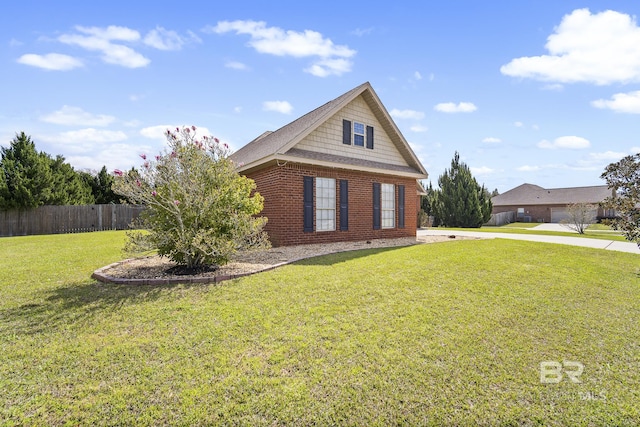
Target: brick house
[
  {"x": 341, "y": 172},
  {"x": 532, "y": 203}
]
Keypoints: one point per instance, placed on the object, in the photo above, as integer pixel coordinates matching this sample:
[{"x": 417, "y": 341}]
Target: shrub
[{"x": 200, "y": 211}]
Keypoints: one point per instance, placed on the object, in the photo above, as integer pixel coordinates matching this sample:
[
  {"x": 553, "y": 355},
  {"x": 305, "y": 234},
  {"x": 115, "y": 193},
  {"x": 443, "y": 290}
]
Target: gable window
[
  {"x": 325, "y": 204},
  {"x": 358, "y": 134},
  {"x": 388, "y": 198}
]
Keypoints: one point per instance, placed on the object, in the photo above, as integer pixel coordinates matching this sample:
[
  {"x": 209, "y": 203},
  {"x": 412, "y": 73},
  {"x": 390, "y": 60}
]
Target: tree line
[{"x": 29, "y": 178}]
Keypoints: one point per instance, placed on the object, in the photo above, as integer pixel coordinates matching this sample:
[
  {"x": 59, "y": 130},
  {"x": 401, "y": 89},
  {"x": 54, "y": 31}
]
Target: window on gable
[
  {"x": 358, "y": 134},
  {"x": 361, "y": 135},
  {"x": 325, "y": 204},
  {"x": 388, "y": 200}
]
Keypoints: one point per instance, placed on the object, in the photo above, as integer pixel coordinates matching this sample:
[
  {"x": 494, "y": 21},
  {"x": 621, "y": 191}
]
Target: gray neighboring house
[{"x": 532, "y": 203}]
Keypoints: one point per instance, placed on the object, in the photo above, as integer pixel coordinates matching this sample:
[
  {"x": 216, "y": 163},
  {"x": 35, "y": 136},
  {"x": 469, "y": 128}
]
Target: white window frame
[
  {"x": 363, "y": 134},
  {"x": 325, "y": 204},
  {"x": 388, "y": 205}
]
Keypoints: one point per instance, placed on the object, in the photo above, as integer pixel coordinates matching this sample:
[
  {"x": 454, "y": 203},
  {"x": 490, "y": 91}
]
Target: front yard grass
[
  {"x": 596, "y": 233},
  {"x": 440, "y": 334}
]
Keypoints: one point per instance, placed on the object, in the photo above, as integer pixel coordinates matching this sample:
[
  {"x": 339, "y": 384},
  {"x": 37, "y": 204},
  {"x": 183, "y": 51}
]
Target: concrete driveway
[{"x": 568, "y": 240}]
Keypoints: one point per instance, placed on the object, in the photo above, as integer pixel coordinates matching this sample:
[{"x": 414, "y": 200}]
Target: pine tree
[
  {"x": 460, "y": 201},
  {"x": 25, "y": 174},
  {"x": 67, "y": 186}
]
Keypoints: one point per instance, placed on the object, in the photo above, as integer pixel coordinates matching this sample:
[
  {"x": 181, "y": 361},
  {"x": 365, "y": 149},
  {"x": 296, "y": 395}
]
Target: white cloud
[
  {"x": 163, "y": 39},
  {"x": 635, "y": 150},
  {"x": 116, "y": 156},
  {"x": 518, "y": 124},
  {"x": 569, "y": 142},
  {"x": 362, "y": 32},
  {"x": 417, "y": 75},
  {"x": 406, "y": 114},
  {"x": 74, "y": 116},
  {"x": 528, "y": 168},
  {"x": 51, "y": 61},
  {"x": 621, "y": 103},
  {"x": 601, "y": 48},
  {"x": 418, "y": 128},
  {"x": 237, "y": 109},
  {"x": 535, "y": 127},
  {"x": 491, "y": 140},
  {"x": 452, "y": 107},
  {"x": 608, "y": 156},
  {"x": 278, "y": 106},
  {"x": 331, "y": 66},
  {"x": 159, "y": 132},
  {"x": 483, "y": 170},
  {"x": 101, "y": 39},
  {"x": 331, "y": 59},
  {"x": 236, "y": 65},
  {"x": 83, "y": 140}
]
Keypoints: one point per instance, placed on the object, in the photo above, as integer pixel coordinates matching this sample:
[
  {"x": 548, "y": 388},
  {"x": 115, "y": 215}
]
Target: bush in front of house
[{"x": 200, "y": 211}]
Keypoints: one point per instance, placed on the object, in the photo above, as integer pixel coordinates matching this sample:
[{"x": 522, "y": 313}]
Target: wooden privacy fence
[
  {"x": 502, "y": 218},
  {"x": 67, "y": 219}
]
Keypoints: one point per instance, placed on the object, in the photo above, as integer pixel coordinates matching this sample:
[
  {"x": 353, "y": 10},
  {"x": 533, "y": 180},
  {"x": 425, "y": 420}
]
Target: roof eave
[{"x": 283, "y": 158}]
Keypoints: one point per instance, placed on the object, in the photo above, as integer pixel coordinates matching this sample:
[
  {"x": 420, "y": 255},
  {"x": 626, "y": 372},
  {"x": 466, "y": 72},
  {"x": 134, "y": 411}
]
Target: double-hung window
[
  {"x": 358, "y": 134},
  {"x": 388, "y": 202},
  {"x": 325, "y": 204}
]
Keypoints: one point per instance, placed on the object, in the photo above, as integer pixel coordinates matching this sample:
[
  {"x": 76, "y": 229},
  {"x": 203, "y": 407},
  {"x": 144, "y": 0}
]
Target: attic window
[{"x": 358, "y": 134}]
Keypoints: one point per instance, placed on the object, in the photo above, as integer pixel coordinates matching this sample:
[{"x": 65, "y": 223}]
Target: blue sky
[{"x": 545, "y": 92}]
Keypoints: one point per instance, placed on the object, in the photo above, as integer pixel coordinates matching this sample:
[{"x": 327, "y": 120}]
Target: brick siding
[{"x": 282, "y": 189}]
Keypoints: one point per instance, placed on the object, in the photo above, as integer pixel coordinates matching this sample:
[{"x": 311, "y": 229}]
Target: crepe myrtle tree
[
  {"x": 580, "y": 216},
  {"x": 200, "y": 211}
]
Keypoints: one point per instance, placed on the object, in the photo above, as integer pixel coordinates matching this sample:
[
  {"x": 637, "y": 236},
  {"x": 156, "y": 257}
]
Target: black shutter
[
  {"x": 370, "y": 137},
  {"x": 344, "y": 205},
  {"x": 376, "y": 206},
  {"x": 308, "y": 204},
  {"x": 346, "y": 132},
  {"x": 400, "y": 206}
]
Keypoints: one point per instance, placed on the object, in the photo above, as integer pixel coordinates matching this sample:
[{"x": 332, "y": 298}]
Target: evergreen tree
[
  {"x": 460, "y": 201},
  {"x": 25, "y": 174},
  {"x": 68, "y": 187},
  {"x": 29, "y": 178},
  {"x": 101, "y": 184}
]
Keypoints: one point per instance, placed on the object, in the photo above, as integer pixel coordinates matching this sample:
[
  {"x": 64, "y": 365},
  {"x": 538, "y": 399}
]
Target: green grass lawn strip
[
  {"x": 449, "y": 333},
  {"x": 596, "y": 234}
]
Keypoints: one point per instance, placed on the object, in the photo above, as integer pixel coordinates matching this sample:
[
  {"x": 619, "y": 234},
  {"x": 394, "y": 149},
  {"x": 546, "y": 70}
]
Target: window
[
  {"x": 388, "y": 205},
  {"x": 325, "y": 204},
  {"x": 358, "y": 134}
]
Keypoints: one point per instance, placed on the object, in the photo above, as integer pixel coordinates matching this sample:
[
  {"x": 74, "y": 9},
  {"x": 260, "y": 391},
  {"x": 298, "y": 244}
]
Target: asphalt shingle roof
[
  {"x": 283, "y": 140},
  {"x": 530, "y": 194}
]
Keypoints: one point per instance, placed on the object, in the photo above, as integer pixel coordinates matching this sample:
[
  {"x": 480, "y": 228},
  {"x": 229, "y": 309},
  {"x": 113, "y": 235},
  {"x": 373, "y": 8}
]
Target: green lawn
[
  {"x": 441, "y": 334},
  {"x": 526, "y": 228}
]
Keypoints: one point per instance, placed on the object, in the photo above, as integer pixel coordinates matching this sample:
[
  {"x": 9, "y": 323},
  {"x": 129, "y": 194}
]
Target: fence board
[
  {"x": 67, "y": 219},
  {"x": 502, "y": 218}
]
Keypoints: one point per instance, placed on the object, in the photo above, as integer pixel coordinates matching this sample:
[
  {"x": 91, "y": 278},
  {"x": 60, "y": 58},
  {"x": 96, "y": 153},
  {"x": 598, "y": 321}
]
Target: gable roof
[
  {"x": 530, "y": 194},
  {"x": 280, "y": 144}
]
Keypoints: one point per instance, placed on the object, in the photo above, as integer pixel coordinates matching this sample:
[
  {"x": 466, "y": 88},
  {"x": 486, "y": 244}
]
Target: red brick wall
[
  {"x": 282, "y": 189},
  {"x": 538, "y": 213}
]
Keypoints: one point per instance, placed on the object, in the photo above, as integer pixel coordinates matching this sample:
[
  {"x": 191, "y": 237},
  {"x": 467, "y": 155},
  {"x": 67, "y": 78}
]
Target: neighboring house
[
  {"x": 532, "y": 203},
  {"x": 342, "y": 172}
]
